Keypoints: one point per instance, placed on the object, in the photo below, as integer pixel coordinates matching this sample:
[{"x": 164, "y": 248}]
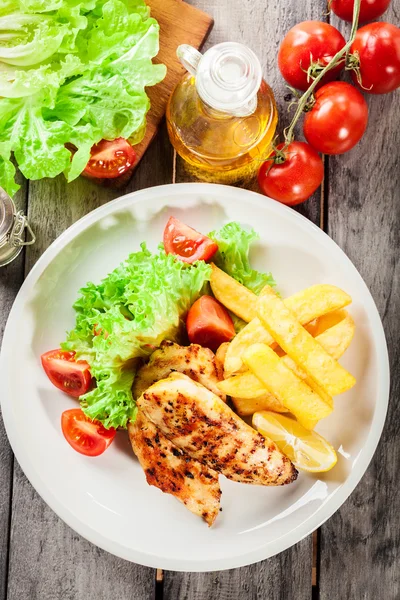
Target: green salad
[
  {"x": 72, "y": 72},
  {"x": 143, "y": 301}
]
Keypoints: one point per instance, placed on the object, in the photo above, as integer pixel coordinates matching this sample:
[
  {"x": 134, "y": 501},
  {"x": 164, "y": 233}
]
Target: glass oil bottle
[{"x": 222, "y": 116}]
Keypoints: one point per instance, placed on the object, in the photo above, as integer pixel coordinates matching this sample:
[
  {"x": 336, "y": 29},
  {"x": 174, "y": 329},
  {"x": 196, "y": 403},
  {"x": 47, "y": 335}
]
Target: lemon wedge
[{"x": 306, "y": 449}]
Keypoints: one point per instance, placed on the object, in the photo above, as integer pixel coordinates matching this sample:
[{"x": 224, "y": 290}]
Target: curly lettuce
[
  {"x": 233, "y": 256},
  {"x": 72, "y": 72},
  {"x": 126, "y": 317}
]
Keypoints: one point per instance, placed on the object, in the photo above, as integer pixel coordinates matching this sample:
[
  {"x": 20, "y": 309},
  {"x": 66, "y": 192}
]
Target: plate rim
[{"x": 153, "y": 560}]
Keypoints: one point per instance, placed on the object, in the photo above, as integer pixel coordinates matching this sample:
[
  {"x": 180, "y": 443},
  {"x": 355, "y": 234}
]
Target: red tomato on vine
[
  {"x": 309, "y": 47},
  {"x": 369, "y": 9},
  {"x": 337, "y": 120},
  {"x": 377, "y": 48},
  {"x": 296, "y": 178}
]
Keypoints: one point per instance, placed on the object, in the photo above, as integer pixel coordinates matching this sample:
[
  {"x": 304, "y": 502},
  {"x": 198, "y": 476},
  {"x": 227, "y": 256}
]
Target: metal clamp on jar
[{"x": 12, "y": 230}]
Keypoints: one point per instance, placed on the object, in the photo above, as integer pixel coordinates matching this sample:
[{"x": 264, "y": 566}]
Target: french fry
[
  {"x": 248, "y": 406},
  {"x": 334, "y": 340},
  {"x": 337, "y": 338},
  {"x": 284, "y": 327},
  {"x": 233, "y": 295},
  {"x": 307, "y": 305},
  {"x": 220, "y": 356},
  {"x": 246, "y": 386},
  {"x": 294, "y": 393},
  {"x": 327, "y": 321},
  {"x": 253, "y": 333},
  {"x": 248, "y": 393}
]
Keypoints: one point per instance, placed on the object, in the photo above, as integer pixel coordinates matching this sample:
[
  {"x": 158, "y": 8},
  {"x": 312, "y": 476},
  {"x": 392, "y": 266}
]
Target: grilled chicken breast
[
  {"x": 196, "y": 362},
  {"x": 174, "y": 472},
  {"x": 200, "y": 423}
]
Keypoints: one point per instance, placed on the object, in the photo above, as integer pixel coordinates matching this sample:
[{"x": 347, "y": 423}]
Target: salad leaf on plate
[
  {"x": 124, "y": 318},
  {"x": 233, "y": 256}
]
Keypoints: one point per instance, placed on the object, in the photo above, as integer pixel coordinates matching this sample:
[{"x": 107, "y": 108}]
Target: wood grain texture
[
  {"x": 11, "y": 278},
  {"x": 360, "y": 544},
  {"x": 288, "y": 576},
  {"x": 47, "y": 560},
  {"x": 284, "y": 577}
]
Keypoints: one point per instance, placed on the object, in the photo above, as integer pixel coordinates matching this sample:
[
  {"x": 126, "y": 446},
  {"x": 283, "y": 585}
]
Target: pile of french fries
[{"x": 286, "y": 358}]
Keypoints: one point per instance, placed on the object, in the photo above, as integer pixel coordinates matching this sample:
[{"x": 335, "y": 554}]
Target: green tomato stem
[{"x": 341, "y": 55}]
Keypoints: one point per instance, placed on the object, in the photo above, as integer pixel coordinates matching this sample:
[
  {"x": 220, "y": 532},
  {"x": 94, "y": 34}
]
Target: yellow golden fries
[
  {"x": 337, "y": 338},
  {"x": 283, "y": 325},
  {"x": 249, "y": 394},
  {"x": 253, "y": 333},
  {"x": 293, "y": 393},
  {"x": 307, "y": 305},
  {"x": 245, "y": 386},
  {"x": 232, "y": 294},
  {"x": 220, "y": 356},
  {"x": 246, "y": 407}
]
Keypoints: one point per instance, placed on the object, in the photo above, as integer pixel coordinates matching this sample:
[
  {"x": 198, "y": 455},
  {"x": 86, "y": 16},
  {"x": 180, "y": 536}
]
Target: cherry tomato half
[
  {"x": 186, "y": 243},
  {"x": 67, "y": 374},
  {"x": 377, "y": 46},
  {"x": 306, "y": 43},
  {"x": 296, "y": 179},
  {"x": 369, "y": 9},
  {"x": 209, "y": 324},
  {"x": 110, "y": 159},
  {"x": 85, "y": 436},
  {"x": 338, "y": 119}
]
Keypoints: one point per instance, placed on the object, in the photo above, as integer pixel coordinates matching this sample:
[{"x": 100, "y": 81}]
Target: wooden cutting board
[{"x": 179, "y": 23}]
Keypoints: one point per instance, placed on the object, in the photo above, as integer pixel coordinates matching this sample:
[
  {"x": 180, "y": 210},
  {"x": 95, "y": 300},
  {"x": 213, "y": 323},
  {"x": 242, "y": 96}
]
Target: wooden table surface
[{"x": 355, "y": 555}]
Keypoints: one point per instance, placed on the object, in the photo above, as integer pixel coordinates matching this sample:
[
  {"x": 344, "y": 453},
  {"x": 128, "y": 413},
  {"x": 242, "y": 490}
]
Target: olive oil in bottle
[{"x": 222, "y": 116}]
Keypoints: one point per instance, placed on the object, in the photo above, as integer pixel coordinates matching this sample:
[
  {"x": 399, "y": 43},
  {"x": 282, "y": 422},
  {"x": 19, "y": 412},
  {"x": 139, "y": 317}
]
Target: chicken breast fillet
[
  {"x": 196, "y": 362},
  {"x": 197, "y": 421},
  {"x": 174, "y": 472}
]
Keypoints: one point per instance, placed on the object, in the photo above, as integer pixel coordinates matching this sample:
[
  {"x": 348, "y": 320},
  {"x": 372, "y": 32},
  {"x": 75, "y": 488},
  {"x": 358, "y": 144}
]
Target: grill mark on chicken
[
  {"x": 173, "y": 471},
  {"x": 208, "y": 430},
  {"x": 196, "y": 362}
]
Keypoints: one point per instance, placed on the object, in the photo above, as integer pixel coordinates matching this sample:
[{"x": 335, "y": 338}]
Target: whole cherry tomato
[
  {"x": 377, "y": 46},
  {"x": 294, "y": 180},
  {"x": 369, "y": 9},
  {"x": 310, "y": 42},
  {"x": 337, "y": 120}
]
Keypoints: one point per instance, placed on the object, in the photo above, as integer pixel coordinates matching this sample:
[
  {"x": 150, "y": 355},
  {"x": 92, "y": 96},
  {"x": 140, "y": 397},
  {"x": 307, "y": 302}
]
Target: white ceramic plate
[{"x": 107, "y": 499}]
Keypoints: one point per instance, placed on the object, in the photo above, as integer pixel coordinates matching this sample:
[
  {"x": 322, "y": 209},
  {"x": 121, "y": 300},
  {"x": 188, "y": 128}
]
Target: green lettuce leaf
[
  {"x": 233, "y": 256},
  {"x": 72, "y": 72},
  {"x": 139, "y": 304}
]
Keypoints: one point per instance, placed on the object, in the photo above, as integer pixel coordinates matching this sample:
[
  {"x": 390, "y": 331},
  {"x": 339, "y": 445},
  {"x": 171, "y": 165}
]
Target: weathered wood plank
[
  {"x": 288, "y": 576},
  {"x": 47, "y": 559},
  {"x": 360, "y": 556},
  {"x": 284, "y": 577},
  {"x": 11, "y": 278}
]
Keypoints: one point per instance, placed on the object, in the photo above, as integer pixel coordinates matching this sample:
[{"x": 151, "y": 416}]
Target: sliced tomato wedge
[
  {"x": 85, "y": 436},
  {"x": 110, "y": 159},
  {"x": 208, "y": 323},
  {"x": 67, "y": 374},
  {"x": 186, "y": 243}
]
